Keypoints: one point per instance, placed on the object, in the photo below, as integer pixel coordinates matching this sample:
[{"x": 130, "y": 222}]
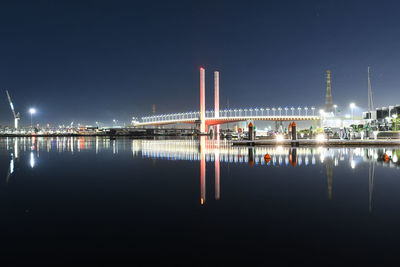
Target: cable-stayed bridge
[
  {"x": 232, "y": 115},
  {"x": 216, "y": 116}
]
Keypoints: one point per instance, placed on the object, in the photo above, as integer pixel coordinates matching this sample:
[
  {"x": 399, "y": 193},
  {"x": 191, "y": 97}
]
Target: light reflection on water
[
  {"x": 191, "y": 150},
  {"x": 207, "y": 151}
]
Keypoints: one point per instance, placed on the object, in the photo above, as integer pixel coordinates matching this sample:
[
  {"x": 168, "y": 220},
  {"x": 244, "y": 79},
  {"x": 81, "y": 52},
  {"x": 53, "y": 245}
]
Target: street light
[
  {"x": 32, "y": 111},
  {"x": 352, "y": 106},
  {"x": 335, "y": 107}
]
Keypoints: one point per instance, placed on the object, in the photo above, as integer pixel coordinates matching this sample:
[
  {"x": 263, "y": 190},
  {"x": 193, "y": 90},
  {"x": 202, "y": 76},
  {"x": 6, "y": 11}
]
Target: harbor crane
[{"x": 16, "y": 115}]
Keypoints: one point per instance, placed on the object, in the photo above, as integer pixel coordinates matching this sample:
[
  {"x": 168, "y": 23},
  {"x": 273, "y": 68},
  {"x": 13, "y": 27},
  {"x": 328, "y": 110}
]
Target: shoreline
[
  {"x": 90, "y": 135},
  {"x": 313, "y": 142}
]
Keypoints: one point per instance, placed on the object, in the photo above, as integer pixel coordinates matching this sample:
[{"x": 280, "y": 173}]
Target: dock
[{"x": 313, "y": 142}]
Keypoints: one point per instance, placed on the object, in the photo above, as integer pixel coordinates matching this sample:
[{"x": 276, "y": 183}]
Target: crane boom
[
  {"x": 11, "y": 104},
  {"x": 16, "y": 115}
]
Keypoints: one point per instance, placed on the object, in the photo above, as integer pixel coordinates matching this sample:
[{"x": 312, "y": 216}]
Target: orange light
[
  {"x": 267, "y": 158},
  {"x": 385, "y": 157},
  {"x": 292, "y": 160}
]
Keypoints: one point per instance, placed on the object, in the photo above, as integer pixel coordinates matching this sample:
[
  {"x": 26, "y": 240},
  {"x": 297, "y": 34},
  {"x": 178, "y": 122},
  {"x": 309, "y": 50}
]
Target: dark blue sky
[{"x": 92, "y": 61}]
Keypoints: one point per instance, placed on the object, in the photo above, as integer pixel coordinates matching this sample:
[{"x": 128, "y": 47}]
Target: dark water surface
[{"x": 86, "y": 200}]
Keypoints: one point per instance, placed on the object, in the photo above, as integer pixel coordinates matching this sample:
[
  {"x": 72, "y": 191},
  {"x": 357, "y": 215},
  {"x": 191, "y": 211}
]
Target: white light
[
  {"x": 279, "y": 138},
  {"x": 11, "y": 166},
  {"x": 32, "y": 110},
  {"x": 353, "y": 164},
  {"x": 32, "y": 160},
  {"x": 347, "y": 116},
  {"x": 352, "y": 105},
  {"x": 320, "y": 138}
]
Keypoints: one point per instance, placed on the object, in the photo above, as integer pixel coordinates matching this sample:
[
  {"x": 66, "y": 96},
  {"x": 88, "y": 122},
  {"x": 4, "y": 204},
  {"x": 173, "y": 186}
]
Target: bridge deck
[{"x": 223, "y": 120}]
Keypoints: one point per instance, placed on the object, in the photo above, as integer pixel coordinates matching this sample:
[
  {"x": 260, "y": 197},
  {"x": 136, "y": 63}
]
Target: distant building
[{"x": 379, "y": 115}]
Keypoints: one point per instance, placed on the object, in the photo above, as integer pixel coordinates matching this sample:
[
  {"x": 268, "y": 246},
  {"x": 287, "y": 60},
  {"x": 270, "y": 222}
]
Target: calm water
[{"x": 196, "y": 202}]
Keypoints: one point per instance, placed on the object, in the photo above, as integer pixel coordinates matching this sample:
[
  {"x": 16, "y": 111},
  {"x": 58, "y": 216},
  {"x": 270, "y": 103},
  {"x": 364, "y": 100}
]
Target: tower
[
  {"x": 202, "y": 101},
  {"x": 216, "y": 99},
  {"x": 328, "y": 99},
  {"x": 370, "y": 101}
]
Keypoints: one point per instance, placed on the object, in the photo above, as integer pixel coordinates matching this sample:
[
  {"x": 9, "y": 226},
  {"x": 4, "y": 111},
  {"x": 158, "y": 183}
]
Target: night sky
[{"x": 87, "y": 61}]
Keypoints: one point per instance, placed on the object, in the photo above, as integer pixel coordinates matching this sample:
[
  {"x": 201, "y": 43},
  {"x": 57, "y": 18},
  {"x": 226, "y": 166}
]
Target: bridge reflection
[
  {"x": 206, "y": 151},
  {"x": 217, "y": 152},
  {"x": 280, "y": 156}
]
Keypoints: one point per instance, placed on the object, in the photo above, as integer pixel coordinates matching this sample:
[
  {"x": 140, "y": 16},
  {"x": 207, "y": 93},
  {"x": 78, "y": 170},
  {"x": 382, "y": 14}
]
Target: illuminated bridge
[
  {"x": 216, "y": 116},
  {"x": 232, "y": 115}
]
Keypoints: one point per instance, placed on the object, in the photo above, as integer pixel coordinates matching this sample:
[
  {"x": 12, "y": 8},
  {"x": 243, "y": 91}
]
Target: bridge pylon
[
  {"x": 202, "y": 101},
  {"x": 216, "y": 99}
]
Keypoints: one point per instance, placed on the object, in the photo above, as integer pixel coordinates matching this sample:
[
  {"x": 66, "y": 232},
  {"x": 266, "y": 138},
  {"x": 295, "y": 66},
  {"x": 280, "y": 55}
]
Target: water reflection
[
  {"x": 207, "y": 151},
  {"x": 371, "y": 178},
  {"x": 217, "y": 169},
  {"x": 202, "y": 171},
  {"x": 195, "y": 150},
  {"x": 280, "y": 156},
  {"x": 329, "y": 175}
]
